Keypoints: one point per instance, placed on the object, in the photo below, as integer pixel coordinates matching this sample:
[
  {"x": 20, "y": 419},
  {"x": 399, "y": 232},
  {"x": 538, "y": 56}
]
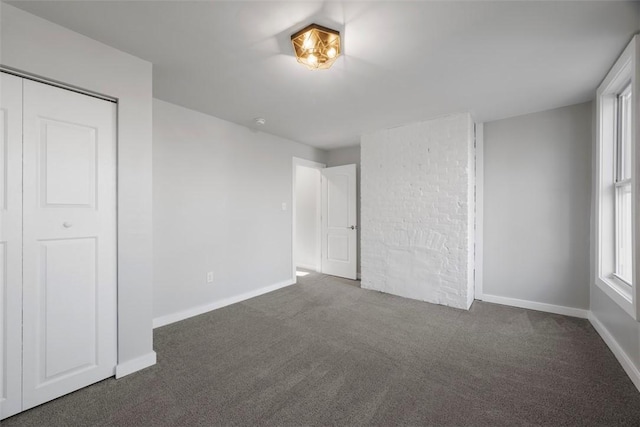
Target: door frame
[
  {"x": 479, "y": 212},
  {"x": 295, "y": 162},
  {"x": 106, "y": 98},
  {"x": 82, "y": 63}
]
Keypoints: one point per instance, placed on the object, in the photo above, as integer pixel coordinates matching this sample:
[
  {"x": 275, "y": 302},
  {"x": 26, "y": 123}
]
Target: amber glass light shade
[{"x": 316, "y": 47}]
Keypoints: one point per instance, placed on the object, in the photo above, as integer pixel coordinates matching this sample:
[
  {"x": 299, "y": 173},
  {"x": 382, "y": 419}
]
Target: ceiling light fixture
[{"x": 316, "y": 47}]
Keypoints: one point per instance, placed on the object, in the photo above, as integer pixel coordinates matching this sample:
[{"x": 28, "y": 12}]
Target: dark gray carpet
[{"x": 325, "y": 352}]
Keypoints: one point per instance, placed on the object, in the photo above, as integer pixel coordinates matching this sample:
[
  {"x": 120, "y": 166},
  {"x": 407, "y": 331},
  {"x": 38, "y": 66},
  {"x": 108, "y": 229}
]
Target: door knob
[
  {"x": 353, "y": 227},
  {"x": 66, "y": 224}
]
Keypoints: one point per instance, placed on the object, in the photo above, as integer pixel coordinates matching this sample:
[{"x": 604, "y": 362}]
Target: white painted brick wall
[{"x": 417, "y": 211}]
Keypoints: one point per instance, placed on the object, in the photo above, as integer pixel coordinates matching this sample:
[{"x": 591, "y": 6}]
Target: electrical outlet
[
  {"x": 210, "y": 277},
  {"x": 284, "y": 206}
]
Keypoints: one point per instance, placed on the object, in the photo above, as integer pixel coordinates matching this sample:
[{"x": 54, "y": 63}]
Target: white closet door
[
  {"x": 69, "y": 238},
  {"x": 10, "y": 245}
]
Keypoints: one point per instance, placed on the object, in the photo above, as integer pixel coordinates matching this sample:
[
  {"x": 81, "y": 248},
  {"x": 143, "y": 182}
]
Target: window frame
[
  {"x": 619, "y": 180},
  {"x": 624, "y": 73}
]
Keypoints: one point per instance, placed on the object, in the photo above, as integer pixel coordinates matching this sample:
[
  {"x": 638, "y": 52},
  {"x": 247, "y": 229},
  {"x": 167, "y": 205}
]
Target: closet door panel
[
  {"x": 69, "y": 242},
  {"x": 10, "y": 245},
  {"x": 68, "y": 268}
]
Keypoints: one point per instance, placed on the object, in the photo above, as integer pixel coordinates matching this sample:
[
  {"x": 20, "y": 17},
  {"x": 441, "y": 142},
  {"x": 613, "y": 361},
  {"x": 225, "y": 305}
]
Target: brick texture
[{"x": 417, "y": 211}]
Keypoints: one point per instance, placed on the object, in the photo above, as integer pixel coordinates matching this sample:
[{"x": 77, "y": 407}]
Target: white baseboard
[
  {"x": 134, "y": 365},
  {"x": 539, "y": 306},
  {"x": 621, "y": 355},
  {"x": 195, "y": 311}
]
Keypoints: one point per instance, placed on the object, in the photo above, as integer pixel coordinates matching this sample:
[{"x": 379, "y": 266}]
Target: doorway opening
[
  {"x": 306, "y": 209},
  {"x": 324, "y": 219}
]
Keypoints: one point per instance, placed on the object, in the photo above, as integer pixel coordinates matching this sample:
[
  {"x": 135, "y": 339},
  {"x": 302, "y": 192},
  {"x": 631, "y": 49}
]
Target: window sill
[
  {"x": 624, "y": 282},
  {"x": 619, "y": 291}
]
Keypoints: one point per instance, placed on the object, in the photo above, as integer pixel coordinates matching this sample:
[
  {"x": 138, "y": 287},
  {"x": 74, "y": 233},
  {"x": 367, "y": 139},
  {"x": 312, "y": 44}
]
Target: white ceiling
[{"x": 403, "y": 61}]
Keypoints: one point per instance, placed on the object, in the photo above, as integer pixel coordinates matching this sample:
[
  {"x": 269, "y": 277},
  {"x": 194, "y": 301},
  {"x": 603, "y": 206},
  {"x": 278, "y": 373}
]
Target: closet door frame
[{"x": 9, "y": 407}]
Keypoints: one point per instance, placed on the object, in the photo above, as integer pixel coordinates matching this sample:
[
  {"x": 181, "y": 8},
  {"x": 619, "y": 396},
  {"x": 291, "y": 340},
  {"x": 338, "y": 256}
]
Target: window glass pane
[
  {"x": 624, "y": 135},
  {"x": 623, "y": 232}
]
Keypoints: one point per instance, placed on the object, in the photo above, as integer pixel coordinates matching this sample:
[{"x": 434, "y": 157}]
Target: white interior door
[
  {"x": 10, "y": 245},
  {"x": 339, "y": 227},
  {"x": 69, "y": 242}
]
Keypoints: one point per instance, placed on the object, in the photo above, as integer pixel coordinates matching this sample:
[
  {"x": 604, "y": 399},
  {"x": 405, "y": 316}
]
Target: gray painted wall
[
  {"x": 349, "y": 156},
  {"x": 621, "y": 327},
  {"x": 537, "y": 191},
  {"x": 217, "y": 195}
]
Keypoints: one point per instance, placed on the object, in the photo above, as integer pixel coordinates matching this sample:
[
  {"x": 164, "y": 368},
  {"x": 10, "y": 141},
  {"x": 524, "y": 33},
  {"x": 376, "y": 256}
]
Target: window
[
  {"x": 623, "y": 226},
  {"x": 617, "y": 224}
]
